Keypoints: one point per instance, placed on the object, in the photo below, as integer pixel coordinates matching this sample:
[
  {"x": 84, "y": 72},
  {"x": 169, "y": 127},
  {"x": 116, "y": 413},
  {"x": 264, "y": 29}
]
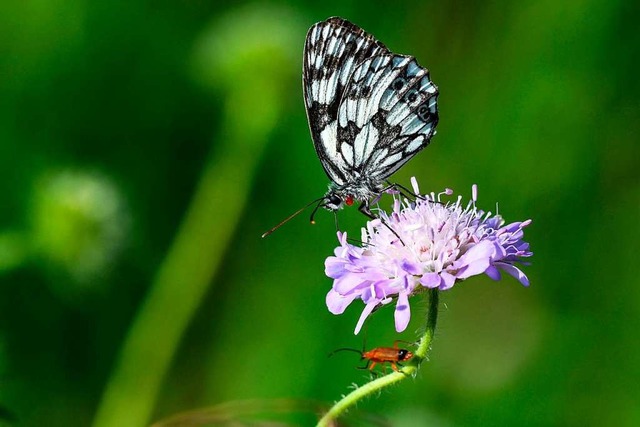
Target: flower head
[{"x": 421, "y": 244}]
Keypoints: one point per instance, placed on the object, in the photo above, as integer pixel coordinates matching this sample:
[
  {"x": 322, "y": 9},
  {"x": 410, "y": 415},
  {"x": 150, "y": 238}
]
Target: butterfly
[{"x": 369, "y": 110}]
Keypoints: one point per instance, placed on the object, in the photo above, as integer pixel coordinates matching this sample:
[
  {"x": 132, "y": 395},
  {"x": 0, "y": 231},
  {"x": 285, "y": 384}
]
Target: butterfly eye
[
  {"x": 365, "y": 91},
  {"x": 398, "y": 83},
  {"x": 333, "y": 201}
]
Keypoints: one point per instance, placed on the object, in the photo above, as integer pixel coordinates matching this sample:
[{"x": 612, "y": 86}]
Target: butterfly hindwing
[
  {"x": 333, "y": 50},
  {"x": 388, "y": 114}
]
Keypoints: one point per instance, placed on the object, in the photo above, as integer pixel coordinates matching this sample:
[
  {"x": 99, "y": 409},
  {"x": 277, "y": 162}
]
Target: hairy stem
[{"x": 378, "y": 384}]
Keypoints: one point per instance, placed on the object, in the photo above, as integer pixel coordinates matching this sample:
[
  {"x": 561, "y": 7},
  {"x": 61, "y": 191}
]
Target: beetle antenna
[
  {"x": 345, "y": 349},
  {"x": 287, "y": 219}
]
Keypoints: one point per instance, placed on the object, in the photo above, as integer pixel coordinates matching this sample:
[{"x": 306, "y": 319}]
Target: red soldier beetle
[{"x": 393, "y": 355}]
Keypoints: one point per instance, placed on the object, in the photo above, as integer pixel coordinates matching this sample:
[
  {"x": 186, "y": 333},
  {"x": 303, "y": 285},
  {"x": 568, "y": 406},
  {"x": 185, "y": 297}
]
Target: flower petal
[
  {"x": 334, "y": 267},
  {"x": 403, "y": 312},
  {"x": 411, "y": 267},
  {"x": 342, "y": 238},
  {"x": 515, "y": 272},
  {"x": 448, "y": 281},
  {"x": 348, "y": 282},
  {"x": 493, "y": 273},
  {"x": 431, "y": 280},
  {"x": 365, "y": 313},
  {"x": 476, "y": 260},
  {"x": 337, "y": 303}
]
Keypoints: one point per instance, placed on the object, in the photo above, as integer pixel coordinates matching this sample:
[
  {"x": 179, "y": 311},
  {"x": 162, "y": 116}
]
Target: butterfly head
[
  {"x": 358, "y": 190},
  {"x": 338, "y": 196},
  {"x": 333, "y": 201}
]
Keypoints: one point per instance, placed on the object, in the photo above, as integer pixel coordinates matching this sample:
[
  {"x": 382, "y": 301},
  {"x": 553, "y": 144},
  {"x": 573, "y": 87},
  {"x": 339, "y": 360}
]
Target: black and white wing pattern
[
  {"x": 332, "y": 51},
  {"x": 369, "y": 110},
  {"x": 388, "y": 113}
]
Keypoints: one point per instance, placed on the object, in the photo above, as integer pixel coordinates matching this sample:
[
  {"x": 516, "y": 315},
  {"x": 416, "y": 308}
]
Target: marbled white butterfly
[{"x": 369, "y": 110}]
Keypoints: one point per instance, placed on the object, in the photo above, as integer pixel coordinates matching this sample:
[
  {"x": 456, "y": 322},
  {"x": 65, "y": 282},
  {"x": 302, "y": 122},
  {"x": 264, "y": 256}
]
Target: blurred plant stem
[
  {"x": 253, "y": 107},
  {"x": 188, "y": 269},
  {"x": 375, "y": 386}
]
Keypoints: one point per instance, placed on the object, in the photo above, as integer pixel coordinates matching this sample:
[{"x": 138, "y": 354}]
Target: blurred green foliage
[{"x": 115, "y": 115}]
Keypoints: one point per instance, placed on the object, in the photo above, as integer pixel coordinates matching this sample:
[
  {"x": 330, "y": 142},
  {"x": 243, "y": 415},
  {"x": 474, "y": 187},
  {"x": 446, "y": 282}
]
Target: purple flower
[{"x": 422, "y": 244}]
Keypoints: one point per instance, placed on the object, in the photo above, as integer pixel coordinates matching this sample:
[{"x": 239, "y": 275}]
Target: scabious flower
[{"x": 426, "y": 243}]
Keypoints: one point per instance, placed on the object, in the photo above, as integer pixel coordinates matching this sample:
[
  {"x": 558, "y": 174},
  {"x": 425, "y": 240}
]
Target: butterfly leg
[
  {"x": 404, "y": 191},
  {"x": 364, "y": 208}
]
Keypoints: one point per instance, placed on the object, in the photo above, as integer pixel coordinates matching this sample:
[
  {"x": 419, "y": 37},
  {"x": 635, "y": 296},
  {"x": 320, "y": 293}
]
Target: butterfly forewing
[{"x": 333, "y": 49}]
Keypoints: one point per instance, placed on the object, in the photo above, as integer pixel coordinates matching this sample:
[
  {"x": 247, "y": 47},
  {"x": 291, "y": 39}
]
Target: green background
[{"x": 145, "y": 146}]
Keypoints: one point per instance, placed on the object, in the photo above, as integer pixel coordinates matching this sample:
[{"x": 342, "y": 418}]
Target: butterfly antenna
[
  {"x": 313, "y": 214},
  {"x": 287, "y": 219}
]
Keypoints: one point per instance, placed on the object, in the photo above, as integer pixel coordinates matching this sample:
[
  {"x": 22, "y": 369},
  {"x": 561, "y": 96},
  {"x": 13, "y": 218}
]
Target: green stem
[
  {"x": 378, "y": 384},
  {"x": 186, "y": 273}
]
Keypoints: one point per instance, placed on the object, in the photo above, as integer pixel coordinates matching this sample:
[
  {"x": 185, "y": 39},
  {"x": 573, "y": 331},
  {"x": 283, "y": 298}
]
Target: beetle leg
[{"x": 367, "y": 365}]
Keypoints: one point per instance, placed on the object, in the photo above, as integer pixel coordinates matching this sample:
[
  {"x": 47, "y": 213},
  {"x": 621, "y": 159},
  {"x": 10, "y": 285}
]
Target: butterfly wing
[
  {"x": 388, "y": 113},
  {"x": 333, "y": 50}
]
